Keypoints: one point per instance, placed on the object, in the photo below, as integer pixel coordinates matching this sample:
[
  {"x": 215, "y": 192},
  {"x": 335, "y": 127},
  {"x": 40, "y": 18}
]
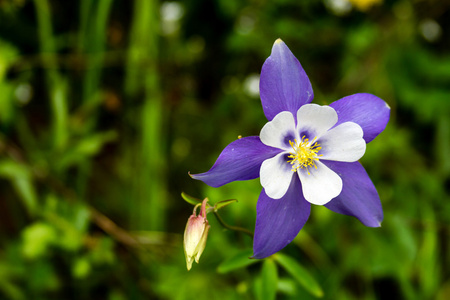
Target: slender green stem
[
  {"x": 56, "y": 86},
  {"x": 235, "y": 228},
  {"x": 94, "y": 44},
  {"x": 143, "y": 81}
]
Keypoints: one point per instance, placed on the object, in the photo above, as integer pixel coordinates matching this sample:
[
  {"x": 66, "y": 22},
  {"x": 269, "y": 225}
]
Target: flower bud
[{"x": 195, "y": 235}]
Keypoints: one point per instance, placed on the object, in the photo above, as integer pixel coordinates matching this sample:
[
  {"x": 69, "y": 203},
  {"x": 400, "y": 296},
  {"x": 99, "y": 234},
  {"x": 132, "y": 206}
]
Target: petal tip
[
  {"x": 197, "y": 176},
  {"x": 260, "y": 255},
  {"x": 283, "y": 85},
  {"x": 376, "y": 222}
]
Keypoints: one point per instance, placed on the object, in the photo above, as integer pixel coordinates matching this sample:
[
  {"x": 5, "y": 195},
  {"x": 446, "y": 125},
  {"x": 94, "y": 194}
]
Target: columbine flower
[
  {"x": 305, "y": 154},
  {"x": 195, "y": 235}
]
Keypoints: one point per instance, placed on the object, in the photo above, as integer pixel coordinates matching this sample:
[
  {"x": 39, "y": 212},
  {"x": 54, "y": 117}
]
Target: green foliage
[
  {"x": 223, "y": 203},
  {"x": 21, "y": 179},
  {"x": 237, "y": 261},
  {"x": 105, "y": 106},
  {"x": 191, "y": 200},
  {"x": 269, "y": 280},
  {"x": 299, "y": 273}
]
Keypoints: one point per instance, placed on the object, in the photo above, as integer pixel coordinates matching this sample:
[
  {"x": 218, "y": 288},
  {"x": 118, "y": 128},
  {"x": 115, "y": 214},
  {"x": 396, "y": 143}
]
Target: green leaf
[
  {"x": 81, "y": 267},
  {"x": 269, "y": 280},
  {"x": 8, "y": 55},
  {"x": 93, "y": 144},
  {"x": 299, "y": 273},
  {"x": 88, "y": 146},
  {"x": 190, "y": 199},
  {"x": 239, "y": 260},
  {"x": 287, "y": 286},
  {"x": 21, "y": 178},
  {"x": 37, "y": 238},
  {"x": 257, "y": 287},
  {"x": 223, "y": 203},
  {"x": 7, "y": 102}
]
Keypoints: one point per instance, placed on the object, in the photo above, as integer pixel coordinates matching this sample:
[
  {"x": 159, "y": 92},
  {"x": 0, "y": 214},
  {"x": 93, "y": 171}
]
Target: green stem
[
  {"x": 56, "y": 86},
  {"x": 95, "y": 37},
  {"x": 143, "y": 81},
  {"x": 235, "y": 228}
]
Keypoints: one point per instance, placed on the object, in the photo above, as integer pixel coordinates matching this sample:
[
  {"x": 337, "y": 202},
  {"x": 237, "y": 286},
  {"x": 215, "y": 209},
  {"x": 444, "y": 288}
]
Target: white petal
[
  {"x": 343, "y": 143},
  {"x": 314, "y": 120},
  {"x": 321, "y": 185},
  {"x": 275, "y": 175},
  {"x": 279, "y": 131}
]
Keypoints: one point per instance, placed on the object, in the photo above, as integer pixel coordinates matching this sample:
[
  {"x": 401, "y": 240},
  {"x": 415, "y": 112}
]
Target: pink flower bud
[{"x": 195, "y": 235}]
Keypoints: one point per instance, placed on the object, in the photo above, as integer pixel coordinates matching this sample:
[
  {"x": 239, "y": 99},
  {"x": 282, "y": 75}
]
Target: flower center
[{"x": 305, "y": 154}]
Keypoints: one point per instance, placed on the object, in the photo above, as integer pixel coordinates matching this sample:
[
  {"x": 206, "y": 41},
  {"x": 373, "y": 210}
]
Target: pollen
[{"x": 305, "y": 154}]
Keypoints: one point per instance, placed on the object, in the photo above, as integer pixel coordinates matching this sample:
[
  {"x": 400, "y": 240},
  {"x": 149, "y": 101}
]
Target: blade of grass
[
  {"x": 269, "y": 277},
  {"x": 94, "y": 16},
  {"x": 299, "y": 273},
  {"x": 85, "y": 8},
  {"x": 56, "y": 86},
  {"x": 22, "y": 180},
  {"x": 94, "y": 46},
  {"x": 142, "y": 76},
  {"x": 239, "y": 260}
]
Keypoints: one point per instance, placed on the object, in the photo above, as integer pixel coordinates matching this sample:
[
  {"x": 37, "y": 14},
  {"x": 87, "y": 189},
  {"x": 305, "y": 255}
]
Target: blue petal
[
  {"x": 279, "y": 221},
  {"x": 366, "y": 110},
  {"x": 358, "y": 198},
  {"x": 240, "y": 160},
  {"x": 284, "y": 85}
]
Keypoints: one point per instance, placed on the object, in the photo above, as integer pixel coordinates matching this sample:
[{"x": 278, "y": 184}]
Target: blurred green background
[{"x": 106, "y": 105}]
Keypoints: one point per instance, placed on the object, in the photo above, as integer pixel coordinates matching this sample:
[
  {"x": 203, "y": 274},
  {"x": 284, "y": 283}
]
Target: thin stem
[
  {"x": 56, "y": 86},
  {"x": 235, "y": 228}
]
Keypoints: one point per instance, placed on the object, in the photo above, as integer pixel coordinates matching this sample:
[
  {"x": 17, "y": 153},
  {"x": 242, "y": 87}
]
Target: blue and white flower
[{"x": 306, "y": 154}]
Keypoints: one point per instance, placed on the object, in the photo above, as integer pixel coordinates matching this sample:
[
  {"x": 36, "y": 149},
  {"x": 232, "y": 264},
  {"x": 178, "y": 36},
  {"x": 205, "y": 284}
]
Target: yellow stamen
[{"x": 305, "y": 154}]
